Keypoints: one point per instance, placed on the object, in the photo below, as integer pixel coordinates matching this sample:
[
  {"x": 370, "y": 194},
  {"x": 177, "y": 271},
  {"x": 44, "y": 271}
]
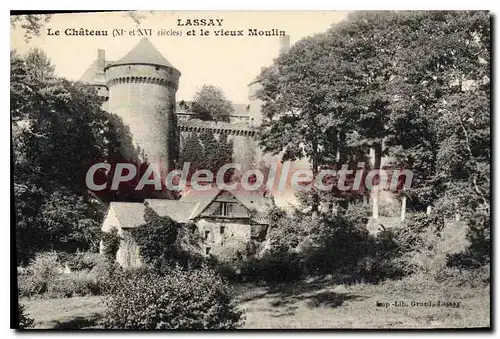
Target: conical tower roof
[{"x": 144, "y": 53}]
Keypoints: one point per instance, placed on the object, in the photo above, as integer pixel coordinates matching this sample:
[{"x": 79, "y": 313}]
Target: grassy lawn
[
  {"x": 312, "y": 305},
  {"x": 78, "y": 312},
  {"x": 323, "y": 306}
]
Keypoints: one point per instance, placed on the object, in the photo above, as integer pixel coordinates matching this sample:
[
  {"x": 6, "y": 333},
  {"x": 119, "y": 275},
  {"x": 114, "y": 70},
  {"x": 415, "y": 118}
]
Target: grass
[
  {"x": 64, "y": 313},
  {"x": 318, "y": 304}
]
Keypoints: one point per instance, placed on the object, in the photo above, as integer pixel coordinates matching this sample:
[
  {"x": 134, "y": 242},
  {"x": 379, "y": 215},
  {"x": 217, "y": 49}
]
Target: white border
[{"x": 200, "y": 5}]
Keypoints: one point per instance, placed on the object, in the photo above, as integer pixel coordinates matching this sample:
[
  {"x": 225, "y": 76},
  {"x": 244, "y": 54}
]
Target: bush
[
  {"x": 288, "y": 232},
  {"x": 46, "y": 276},
  {"x": 42, "y": 272},
  {"x": 426, "y": 243},
  {"x": 378, "y": 263},
  {"x": 472, "y": 278},
  {"x": 181, "y": 299},
  {"x": 303, "y": 245},
  {"x": 103, "y": 272},
  {"x": 83, "y": 260},
  {"x": 24, "y": 320},
  {"x": 110, "y": 243},
  {"x": 358, "y": 213},
  {"x": 276, "y": 266},
  {"x": 228, "y": 270},
  {"x": 74, "y": 284},
  {"x": 338, "y": 246}
]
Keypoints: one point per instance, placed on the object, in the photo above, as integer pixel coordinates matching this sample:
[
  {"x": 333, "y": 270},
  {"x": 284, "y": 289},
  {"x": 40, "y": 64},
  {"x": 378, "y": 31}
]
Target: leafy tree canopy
[{"x": 210, "y": 103}]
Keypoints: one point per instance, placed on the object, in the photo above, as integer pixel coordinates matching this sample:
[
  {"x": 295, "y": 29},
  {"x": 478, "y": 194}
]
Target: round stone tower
[{"x": 142, "y": 87}]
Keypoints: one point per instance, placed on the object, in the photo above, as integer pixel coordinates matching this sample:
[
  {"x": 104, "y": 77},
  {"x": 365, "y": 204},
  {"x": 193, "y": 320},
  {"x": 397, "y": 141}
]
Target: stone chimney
[
  {"x": 284, "y": 44},
  {"x": 101, "y": 58}
]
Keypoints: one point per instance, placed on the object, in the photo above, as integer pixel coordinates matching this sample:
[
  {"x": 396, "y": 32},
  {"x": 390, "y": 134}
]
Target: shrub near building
[{"x": 180, "y": 299}]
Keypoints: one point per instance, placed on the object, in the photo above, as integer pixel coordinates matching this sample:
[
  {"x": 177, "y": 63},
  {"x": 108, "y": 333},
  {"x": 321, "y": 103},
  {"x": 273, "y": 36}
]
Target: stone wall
[
  {"x": 227, "y": 242},
  {"x": 144, "y": 97},
  {"x": 241, "y": 134},
  {"x": 128, "y": 255}
]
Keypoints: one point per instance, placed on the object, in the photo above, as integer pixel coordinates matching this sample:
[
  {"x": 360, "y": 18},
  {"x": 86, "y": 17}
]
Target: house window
[
  {"x": 207, "y": 233},
  {"x": 222, "y": 229},
  {"x": 207, "y": 250},
  {"x": 223, "y": 209}
]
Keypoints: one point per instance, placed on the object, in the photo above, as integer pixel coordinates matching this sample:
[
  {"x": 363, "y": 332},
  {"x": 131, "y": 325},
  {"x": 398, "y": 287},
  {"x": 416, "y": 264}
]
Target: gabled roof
[
  {"x": 189, "y": 207},
  {"x": 91, "y": 75},
  {"x": 252, "y": 200},
  {"x": 144, "y": 53},
  {"x": 201, "y": 198},
  {"x": 129, "y": 214},
  {"x": 174, "y": 209}
]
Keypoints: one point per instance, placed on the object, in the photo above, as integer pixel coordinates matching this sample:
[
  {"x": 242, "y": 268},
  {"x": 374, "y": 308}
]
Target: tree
[
  {"x": 370, "y": 43},
  {"x": 205, "y": 151},
  {"x": 216, "y": 152},
  {"x": 210, "y": 103},
  {"x": 192, "y": 152},
  {"x": 210, "y": 150},
  {"x": 25, "y": 321},
  {"x": 71, "y": 223},
  {"x": 59, "y": 131},
  {"x": 31, "y": 23},
  {"x": 445, "y": 95},
  {"x": 452, "y": 49},
  {"x": 391, "y": 81},
  {"x": 39, "y": 65},
  {"x": 294, "y": 105}
]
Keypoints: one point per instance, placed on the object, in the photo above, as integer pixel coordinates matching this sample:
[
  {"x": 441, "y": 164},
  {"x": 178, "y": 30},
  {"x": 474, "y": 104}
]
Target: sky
[{"x": 229, "y": 62}]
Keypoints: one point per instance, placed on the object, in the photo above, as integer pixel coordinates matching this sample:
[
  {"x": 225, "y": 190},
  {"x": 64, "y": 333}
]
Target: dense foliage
[
  {"x": 110, "y": 244},
  {"x": 24, "y": 319},
  {"x": 210, "y": 103},
  {"x": 164, "y": 243},
  {"x": 206, "y": 152},
  {"x": 62, "y": 275},
  {"x": 58, "y": 132},
  {"x": 411, "y": 85},
  {"x": 180, "y": 299}
]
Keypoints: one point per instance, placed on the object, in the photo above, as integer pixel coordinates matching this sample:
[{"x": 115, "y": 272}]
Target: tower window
[
  {"x": 207, "y": 233},
  {"x": 222, "y": 229}
]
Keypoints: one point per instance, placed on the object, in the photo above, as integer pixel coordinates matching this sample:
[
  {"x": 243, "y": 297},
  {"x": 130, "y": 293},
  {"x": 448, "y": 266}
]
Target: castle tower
[
  {"x": 142, "y": 87},
  {"x": 94, "y": 77},
  {"x": 284, "y": 44}
]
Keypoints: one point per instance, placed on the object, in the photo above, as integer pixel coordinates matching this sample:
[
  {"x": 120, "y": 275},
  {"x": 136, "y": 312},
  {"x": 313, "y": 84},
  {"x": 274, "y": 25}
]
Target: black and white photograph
[{"x": 264, "y": 170}]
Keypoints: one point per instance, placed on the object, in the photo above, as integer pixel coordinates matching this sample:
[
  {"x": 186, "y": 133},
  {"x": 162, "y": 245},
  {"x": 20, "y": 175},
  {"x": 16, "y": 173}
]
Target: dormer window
[{"x": 224, "y": 209}]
